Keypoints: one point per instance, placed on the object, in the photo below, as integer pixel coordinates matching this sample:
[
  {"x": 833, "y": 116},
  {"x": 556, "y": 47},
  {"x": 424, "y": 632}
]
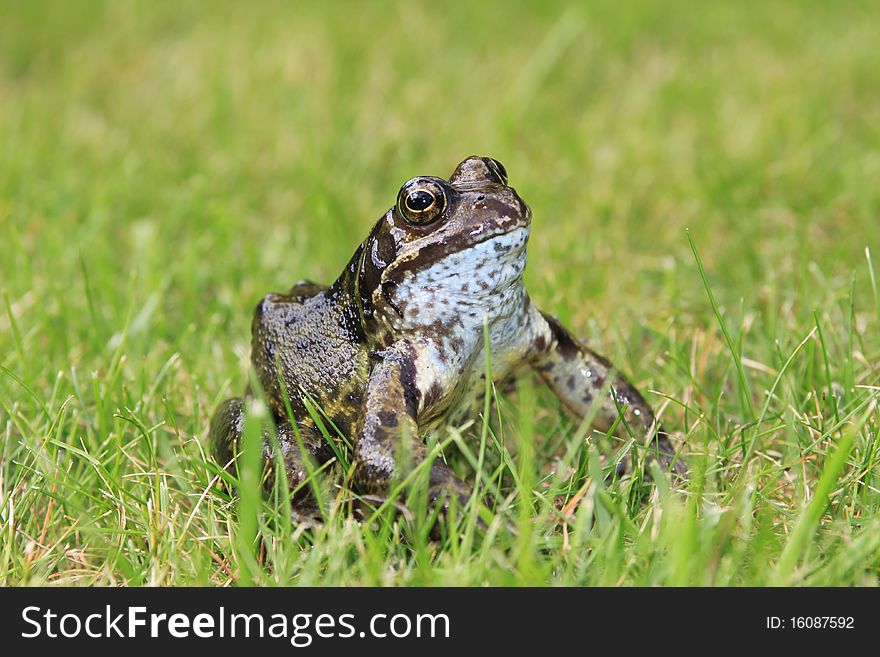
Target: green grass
[{"x": 163, "y": 165}]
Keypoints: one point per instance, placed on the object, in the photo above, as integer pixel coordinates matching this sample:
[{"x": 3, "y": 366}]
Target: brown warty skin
[{"x": 395, "y": 347}]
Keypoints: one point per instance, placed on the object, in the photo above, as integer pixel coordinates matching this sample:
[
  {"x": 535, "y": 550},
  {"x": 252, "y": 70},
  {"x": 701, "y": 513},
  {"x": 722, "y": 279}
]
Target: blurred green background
[
  {"x": 164, "y": 164},
  {"x": 207, "y": 154}
]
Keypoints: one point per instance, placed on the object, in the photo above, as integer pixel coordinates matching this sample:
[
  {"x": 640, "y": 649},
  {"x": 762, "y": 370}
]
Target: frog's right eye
[{"x": 421, "y": 201}]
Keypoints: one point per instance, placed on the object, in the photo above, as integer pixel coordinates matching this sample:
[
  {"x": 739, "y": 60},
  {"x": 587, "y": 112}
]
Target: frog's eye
[
  {"x": 498, "y": 169},
  {"x": 421, "y": 202}
]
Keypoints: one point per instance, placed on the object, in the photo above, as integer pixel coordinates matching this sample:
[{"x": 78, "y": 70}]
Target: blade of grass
[
  {"x": 810, "y": 516},
  {"x": 744, "y": 389}
]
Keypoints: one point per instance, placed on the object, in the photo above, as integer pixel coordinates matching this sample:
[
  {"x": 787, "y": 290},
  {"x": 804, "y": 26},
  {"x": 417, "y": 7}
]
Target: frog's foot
[
  {"x": 663, "y": 451},
  {"x": 445, "y": 497},
  {"x": 303, "y": 457},
  {"x": 441, "y": 498},
  {"x": 377, "y": 501},
  {"x": 450, "y": 503},
  {"x": 449, "y": 496},
  {"x": 308, "y": 517}
]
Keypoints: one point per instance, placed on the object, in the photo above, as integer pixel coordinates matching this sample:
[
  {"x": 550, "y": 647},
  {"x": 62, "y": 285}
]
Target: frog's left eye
[
  {"x": 497, "y": 168},
  {"x": 421, "y": 201}
]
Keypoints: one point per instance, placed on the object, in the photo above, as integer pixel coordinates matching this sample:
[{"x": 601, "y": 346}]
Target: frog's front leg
[
  {"x": 387, "y": 434},
  {"x": 579, "y": 376}
]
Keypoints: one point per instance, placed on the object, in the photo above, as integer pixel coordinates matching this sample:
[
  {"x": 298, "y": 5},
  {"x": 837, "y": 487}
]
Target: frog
[{"x": 396, "y": 347}]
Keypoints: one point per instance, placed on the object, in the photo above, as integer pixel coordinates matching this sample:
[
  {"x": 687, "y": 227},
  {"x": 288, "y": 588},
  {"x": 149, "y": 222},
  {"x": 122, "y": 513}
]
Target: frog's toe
[
  {"x": 673, "y": 464},
  {"x": 669, "y": 459},
  {"x": 450, "y": 502},
  {"x": 306, "y": 515},
  {"x": 450, "y": 495},
  {"x": 447, "y": 496},
  {"x": 661, "y": 450}
]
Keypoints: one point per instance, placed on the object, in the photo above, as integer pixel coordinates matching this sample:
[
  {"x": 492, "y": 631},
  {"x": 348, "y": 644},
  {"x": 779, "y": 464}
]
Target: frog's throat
[{"x": 508, "y": 243}]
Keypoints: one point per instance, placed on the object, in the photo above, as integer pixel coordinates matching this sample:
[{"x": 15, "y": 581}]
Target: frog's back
[{"x": 307, "y": 334}]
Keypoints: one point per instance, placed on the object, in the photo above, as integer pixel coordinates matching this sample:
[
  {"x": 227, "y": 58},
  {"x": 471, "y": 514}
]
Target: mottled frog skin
[{"x": 395, "y": 347}]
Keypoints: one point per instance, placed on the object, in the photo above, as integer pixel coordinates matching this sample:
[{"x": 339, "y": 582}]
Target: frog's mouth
[
  {"x": 462, "y": 286},
  {"x": 483, "y": 246}
]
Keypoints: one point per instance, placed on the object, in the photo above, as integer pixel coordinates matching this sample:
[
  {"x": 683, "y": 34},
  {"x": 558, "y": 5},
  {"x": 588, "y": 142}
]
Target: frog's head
[{"x": 447, "y": 247}]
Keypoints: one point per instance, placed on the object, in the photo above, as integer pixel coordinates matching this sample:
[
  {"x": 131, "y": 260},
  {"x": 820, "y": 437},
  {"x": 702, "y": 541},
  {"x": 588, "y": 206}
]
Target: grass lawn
[{"x": 705, "y": 182}]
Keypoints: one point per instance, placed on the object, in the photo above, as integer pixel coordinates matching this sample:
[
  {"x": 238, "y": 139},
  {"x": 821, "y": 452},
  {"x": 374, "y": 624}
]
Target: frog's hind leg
[
  {"x": 578, "y": 376},
  {"x": 299, "y": 466},
  {"x": 224, "y": 435},
  {"x": 225, "y": 439}
]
